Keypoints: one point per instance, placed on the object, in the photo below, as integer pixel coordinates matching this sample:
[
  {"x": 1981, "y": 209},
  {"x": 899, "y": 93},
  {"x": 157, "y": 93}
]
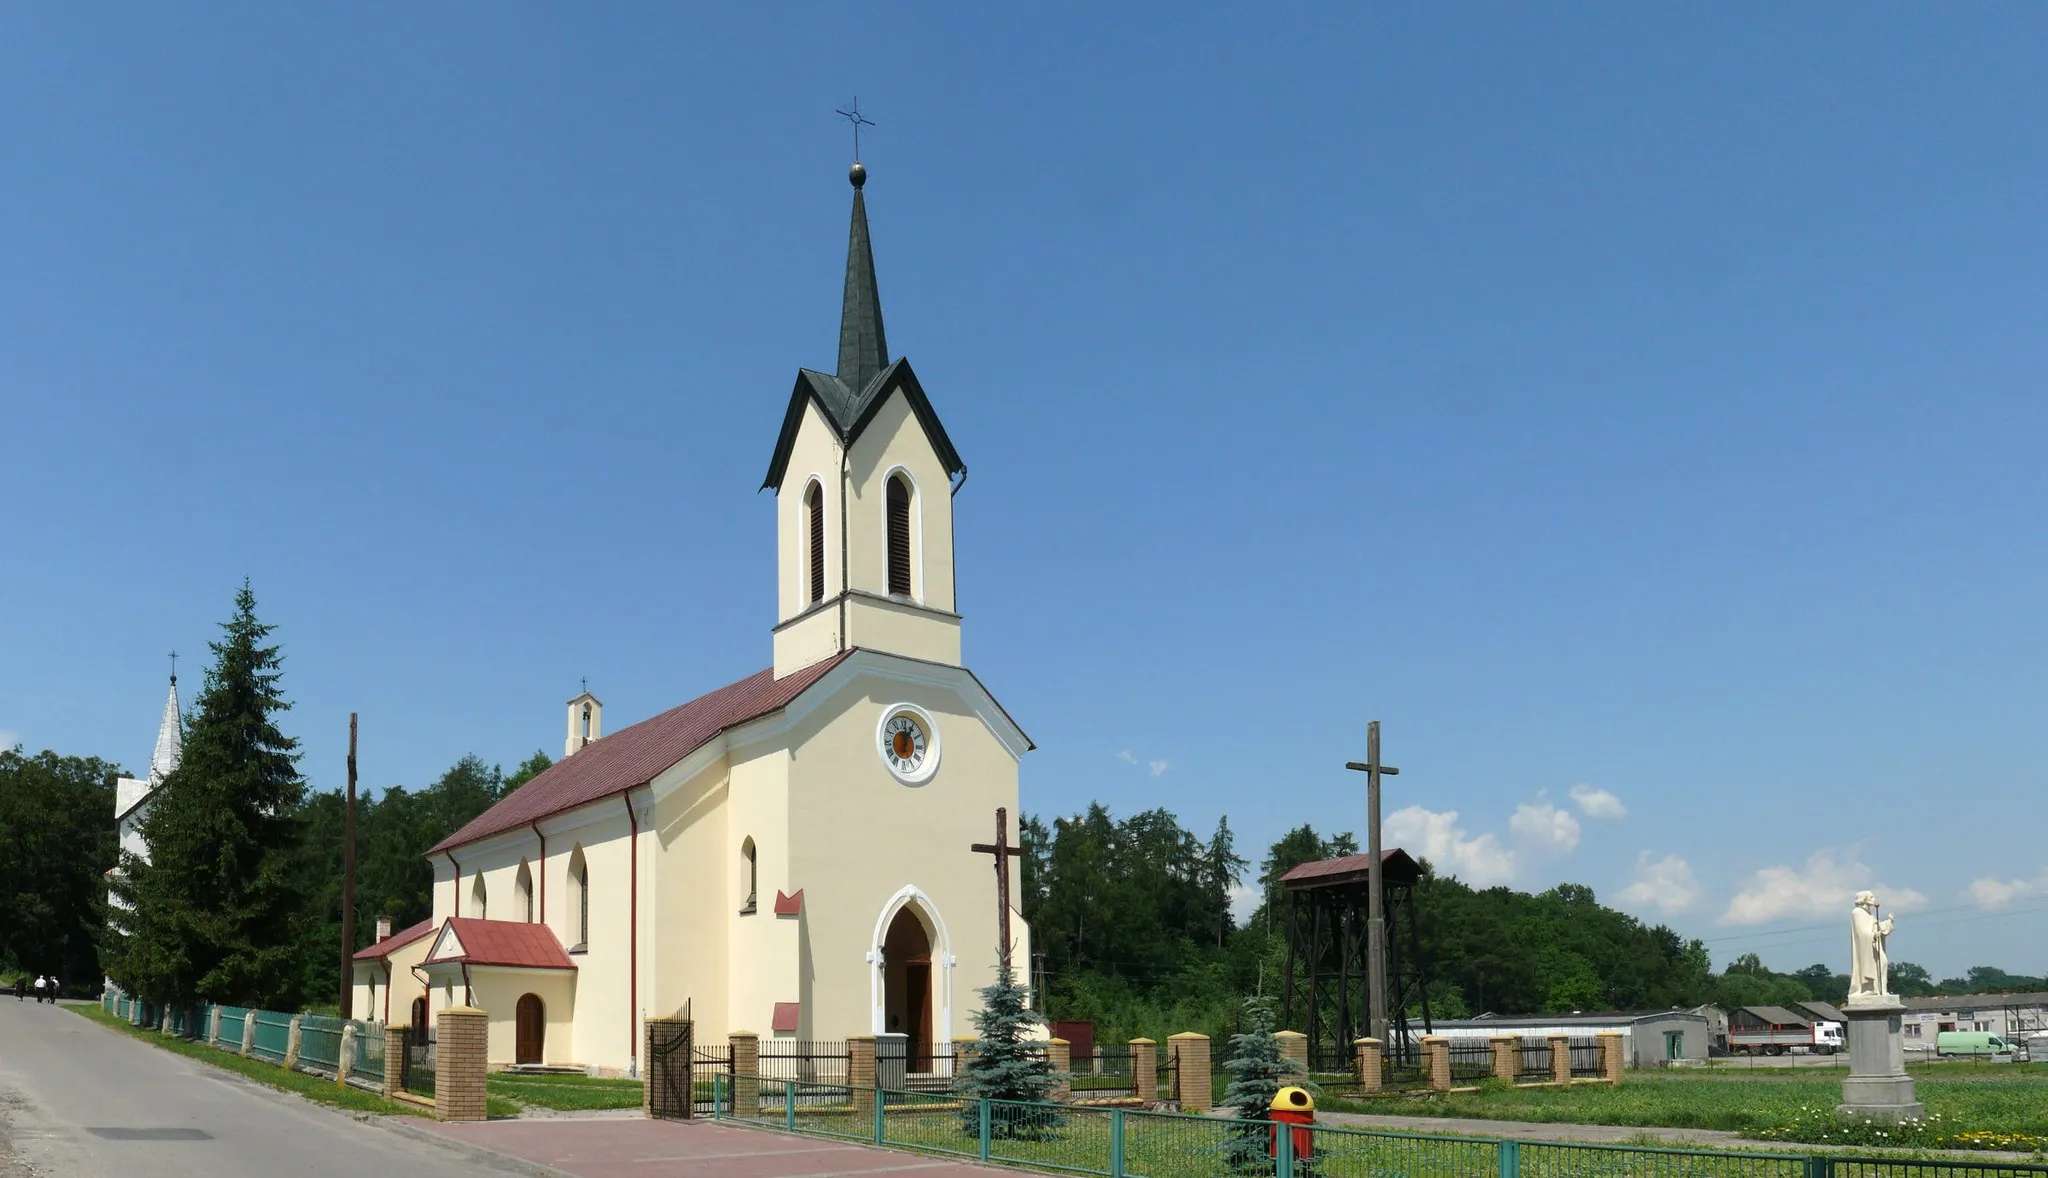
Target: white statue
[{"x": 1869, "y": 966}]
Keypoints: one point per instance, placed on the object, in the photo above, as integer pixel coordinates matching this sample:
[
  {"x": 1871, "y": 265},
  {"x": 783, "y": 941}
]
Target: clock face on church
[{"x": 909, "y": 743}]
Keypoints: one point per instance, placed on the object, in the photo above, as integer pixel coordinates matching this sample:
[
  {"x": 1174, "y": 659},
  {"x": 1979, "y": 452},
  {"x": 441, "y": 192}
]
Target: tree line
[{"x": 240, "y": 901}]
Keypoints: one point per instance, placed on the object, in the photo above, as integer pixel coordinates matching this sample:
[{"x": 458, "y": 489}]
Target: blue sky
[{"x": 1637, "y": 408}]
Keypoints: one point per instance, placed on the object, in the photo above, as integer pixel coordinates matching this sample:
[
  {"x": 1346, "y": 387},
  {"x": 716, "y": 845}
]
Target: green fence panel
[
  {"x": 933, "y": 1122},
  {"x": 320, "y": 1042},
  {"x": 826, "y": 1110},
  {"x": 231, "y": 1019},
  {"x": 366, "y": 1070},
  {"x": 1065, "y": 1138},
  {"x": 273, "y": 1035}
]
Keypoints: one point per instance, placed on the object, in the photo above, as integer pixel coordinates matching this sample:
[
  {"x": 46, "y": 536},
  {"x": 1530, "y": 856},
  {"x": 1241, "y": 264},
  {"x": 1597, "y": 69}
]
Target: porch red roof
[
  {"x": 395, "y": 941},
  {"x": 506, "y": 942},
  {"x": 633, "y": 755}
]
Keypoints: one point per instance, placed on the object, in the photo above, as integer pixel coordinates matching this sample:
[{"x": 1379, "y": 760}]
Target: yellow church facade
[{"x": 790, "y": 853}]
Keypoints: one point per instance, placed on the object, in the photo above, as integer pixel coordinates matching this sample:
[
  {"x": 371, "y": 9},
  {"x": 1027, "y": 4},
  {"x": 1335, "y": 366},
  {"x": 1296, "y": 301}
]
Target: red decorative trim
[
  {"x": 789, "y": 905},
  {"x": 786, "y": 1016}
]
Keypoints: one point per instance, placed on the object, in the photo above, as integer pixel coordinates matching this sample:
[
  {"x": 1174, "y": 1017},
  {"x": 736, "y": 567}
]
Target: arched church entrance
[
  {"x": 531, "y": 1024},
  {"x": 907, "y": 993}
]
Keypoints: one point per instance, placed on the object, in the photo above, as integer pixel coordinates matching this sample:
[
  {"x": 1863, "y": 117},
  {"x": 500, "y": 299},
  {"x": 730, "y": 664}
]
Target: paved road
[{"x": 78, "y": 1100}]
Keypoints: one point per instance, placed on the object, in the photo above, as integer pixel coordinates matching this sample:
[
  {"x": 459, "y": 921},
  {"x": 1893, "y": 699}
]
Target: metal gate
[
  {"x": 669, "y": 1071},
  {"x": 415, "y": 1063},
  {"x": 711, "y": 1080}
]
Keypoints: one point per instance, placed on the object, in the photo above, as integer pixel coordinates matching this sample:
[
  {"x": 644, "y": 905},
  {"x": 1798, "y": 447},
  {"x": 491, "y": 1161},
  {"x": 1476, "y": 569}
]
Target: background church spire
[{"x": 170, "y": 734}]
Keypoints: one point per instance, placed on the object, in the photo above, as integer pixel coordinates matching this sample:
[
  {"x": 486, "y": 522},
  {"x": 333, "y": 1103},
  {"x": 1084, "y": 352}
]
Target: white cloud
[
  {"x": 1126, "y": 757},
  {"x": 1480, "y": 861},
  {"x": 1664, "y": 884},
  {"x": 1547, "y": 830},
  {"x": 1244, "y": 900},
  {"x": 1158, "y": 767},
  {"x": 1595, "y": 802},
  {"x": 1826, "y": 886},
  {"x": 1992, "y": 892}
]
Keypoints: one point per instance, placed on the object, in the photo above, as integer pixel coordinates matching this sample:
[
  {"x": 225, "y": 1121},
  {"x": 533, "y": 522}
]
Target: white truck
[{"x": 1821, "y": 1037}]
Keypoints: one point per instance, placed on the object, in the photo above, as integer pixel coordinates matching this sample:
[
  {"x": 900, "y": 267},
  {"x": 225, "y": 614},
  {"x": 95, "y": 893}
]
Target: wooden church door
[{"x": 531, "y": 1022}]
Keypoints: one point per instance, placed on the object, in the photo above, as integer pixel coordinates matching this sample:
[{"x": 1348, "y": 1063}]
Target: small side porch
[{"x": 521, "y": 977}]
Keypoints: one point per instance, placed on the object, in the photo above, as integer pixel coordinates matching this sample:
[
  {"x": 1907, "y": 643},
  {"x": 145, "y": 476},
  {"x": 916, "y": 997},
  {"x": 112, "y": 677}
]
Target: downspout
[
  {"x": 387, "y": 991},
  {"x": 633, "y": 937},
  {"x": 845, "y": 462},
  {"x": 535, "y": 824}
]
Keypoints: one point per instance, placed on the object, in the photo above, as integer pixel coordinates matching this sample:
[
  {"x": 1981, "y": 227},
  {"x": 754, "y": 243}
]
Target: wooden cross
[
  {"x": 1003, "y": 852},
  {"x": 1375, "y": 919}
]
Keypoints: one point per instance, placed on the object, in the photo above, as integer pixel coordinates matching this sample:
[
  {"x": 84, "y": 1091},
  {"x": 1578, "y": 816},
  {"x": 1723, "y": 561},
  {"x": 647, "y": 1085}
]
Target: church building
[
  {"x": 131, "y": 795},
  {"x": 788, "y": 854}
]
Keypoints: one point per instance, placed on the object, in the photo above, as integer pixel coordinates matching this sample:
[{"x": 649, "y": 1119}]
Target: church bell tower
[{"x": 864, "y": 478}]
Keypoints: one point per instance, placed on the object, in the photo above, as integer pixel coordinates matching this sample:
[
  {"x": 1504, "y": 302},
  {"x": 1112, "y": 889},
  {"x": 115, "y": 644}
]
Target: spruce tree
[
  {"x": 1257, "y": 1073},
  {"x": 1007, "y": 1065},
  {"x": 214, "y": 915}
]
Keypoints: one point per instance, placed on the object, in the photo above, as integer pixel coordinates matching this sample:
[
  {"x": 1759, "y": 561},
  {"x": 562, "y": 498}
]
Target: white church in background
[{"x": 131, "y": 795}]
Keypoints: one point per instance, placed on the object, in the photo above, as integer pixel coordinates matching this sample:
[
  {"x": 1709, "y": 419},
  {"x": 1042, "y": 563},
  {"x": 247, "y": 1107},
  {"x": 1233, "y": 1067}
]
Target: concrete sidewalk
[{"x": 661, "y": 1149}]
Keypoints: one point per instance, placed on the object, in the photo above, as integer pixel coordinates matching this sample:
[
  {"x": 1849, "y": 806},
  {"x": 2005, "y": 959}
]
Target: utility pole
[
  {"x": 348, "y": 881},
  {"x": 1375, "y": 888}
]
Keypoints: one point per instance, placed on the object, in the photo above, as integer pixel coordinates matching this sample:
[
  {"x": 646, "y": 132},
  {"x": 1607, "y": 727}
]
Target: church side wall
[
  {"x": 762, "y": 963},
  {"x": 499, "y": 990},
  {"x": 859, "y": 837},
  {"x": 693, "y": 845},
  {"x": 895, "y": 439}
]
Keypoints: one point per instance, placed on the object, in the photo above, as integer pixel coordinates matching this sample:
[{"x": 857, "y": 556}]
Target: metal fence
[
  {"x": 1117, "y": 1143},
  {"x": 808, "y": 1060},
  {"x": 1586, "y": 1056},
  {"x": 366, "y": 1070},
  {"x": 1534, "y": 1060},
  {"x": 320, "y": 1042},
  {"x": 231, "y": 1020},
  {"x": 1471, "y": 1060}
]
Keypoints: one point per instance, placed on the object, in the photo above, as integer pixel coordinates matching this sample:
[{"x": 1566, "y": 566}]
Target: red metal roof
[
  {"x": 632, "y": 756},
  {"x": 786, "y": 1016},
  {"x": 395, "y": 941},
  {"x": 790, "y": 905},
  {"x": 505, "y": 942},
  {"x": 1351, "y": 869}
]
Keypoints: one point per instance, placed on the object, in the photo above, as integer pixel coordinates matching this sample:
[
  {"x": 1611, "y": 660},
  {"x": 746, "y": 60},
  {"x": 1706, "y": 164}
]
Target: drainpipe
[
  {"x": 387, "y": 991},
  {"x": 633, "y": 938},
  {"x": 543, "y": 869}
]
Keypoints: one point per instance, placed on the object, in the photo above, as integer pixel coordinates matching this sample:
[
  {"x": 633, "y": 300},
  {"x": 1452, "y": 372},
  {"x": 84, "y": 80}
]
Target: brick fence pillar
[
  {"x": 1145, "y": 1070},
  {"x": 1294, "y": 1046},
  {"x": 1060, "y": 1054},
  {"x": 1610, "y": 1056},
  {"x": 461, "y": 1063},
  {"x": 1560, "y": 1059},
  {"x": 860, "y": 1073},
  {"x": 660, "y": 1030},
  {"x": 746, "y": 1074},
  {"x": 394, "y": 1059},
  {"x": 346, "y": 1061},
  {"x": 1436, "y": 1058},
  {"x": 248, "y": 1033},
  {"x": 1372, "y": 1065},
  {"x": 1507, "y": 1057},
  {"x": 291, "y": 1041},
  {"x": 1192, "y": 1085}
]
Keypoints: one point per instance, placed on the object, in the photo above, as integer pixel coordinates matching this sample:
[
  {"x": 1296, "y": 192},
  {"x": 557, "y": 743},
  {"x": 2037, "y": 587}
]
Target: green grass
[
  {"x": 567, "y": 1093},
  {"x": 2012, "y": 1100},
  {"x": 311, "y": 1087}
]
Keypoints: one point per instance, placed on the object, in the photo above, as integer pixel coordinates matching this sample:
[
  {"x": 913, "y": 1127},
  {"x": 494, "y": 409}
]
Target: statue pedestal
[{"x": 1878, "y": 1088}]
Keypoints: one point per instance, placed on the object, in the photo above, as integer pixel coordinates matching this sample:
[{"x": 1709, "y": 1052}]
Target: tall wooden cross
[
  {"x": 1375, "y": 888},
  {"x": 1003, "y": 852}
]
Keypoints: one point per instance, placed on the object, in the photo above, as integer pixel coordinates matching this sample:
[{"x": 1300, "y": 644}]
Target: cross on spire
[
  {"x": 174, "y": 668},
  {"x": 1003, "y": 852},
  {"x": 858, "y": 120}
]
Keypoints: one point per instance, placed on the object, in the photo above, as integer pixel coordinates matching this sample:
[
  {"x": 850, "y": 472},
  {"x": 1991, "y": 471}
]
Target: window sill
[
  {"x": 578, "y": 949},
  {"x": 749, "y": 910}
]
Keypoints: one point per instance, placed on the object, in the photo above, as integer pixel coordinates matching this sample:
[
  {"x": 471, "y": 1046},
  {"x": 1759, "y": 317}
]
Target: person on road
[
  {"x": 41, "y": 983},
  {"x": 20, "y": 986}
]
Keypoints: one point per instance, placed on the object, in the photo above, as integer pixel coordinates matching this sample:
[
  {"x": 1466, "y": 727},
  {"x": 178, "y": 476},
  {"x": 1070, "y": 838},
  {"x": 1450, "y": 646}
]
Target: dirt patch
[{"x": 11, "y": 1164}]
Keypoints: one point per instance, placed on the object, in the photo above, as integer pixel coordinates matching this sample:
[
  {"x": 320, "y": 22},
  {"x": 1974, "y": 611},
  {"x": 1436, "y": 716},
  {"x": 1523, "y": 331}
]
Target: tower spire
[
  {"x": 863, "y": 349},
  {"x": 170, "y": 737}
]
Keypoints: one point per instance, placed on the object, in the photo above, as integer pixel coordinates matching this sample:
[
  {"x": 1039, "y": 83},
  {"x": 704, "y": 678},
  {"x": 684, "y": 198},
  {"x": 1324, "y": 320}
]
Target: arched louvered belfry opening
[
  {"x": 814, "y": 542},
  {"x": 899, "y": 505}
]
